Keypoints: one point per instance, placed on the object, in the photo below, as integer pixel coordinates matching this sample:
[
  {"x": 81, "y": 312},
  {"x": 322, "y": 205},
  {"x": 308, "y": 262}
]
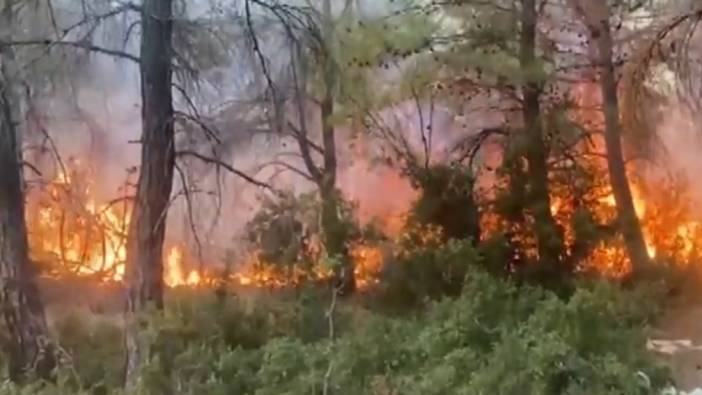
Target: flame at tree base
[{"x": 669, "y": 224}]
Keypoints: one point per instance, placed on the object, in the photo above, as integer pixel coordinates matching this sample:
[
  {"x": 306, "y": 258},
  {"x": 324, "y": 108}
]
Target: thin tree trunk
[
  {"x": 32, "y": 351},
  {"x": 335, "y": 237},
  {"x": 549, "y": 237},
  {"x": 148, "y": 222},
  {"x": 627, "y": 218},
  {"x": 334, "y": 231}
]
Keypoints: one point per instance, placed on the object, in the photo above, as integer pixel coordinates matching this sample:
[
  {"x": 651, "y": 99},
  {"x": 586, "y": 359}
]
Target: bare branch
[
  {"x": 75, "y": 44},
  {"x": 33, "y": 168},
  {"x": 257, "y": 49},
  {"x": 210, "y": 133},
  {"x": 191, "y": 219},
  {"x": 420, "y": 112},
  {"x": 290, "y": 167},
  {"x": 298, "y": 133},
  {"x": 226, "y": 166}
]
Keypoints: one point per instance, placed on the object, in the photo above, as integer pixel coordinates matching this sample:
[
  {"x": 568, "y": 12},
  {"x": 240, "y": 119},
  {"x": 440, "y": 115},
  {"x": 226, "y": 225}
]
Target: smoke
[
  {"x": 680, "y": 137},
  {"x": 97, "y": 118}
]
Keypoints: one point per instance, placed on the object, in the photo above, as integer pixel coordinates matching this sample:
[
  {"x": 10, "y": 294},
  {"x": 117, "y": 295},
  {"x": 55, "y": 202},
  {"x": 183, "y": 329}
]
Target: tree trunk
[
  {"x": 148, "y": 222},
  {"x": 23, "y": 311},
  {"x": 335, "y": 240},
  {"x": 548, "y": 234},
  {"x": 334, "y": 231},
  {"x": 627, "y": 219}
]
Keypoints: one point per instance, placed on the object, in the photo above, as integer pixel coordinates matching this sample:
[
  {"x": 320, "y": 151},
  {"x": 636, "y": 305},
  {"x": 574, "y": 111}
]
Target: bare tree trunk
[
  {"x": 548, "y": 234},
  {"x": 334, "y": 231},
  {"x": 148, "y": 223},
  {"x": 23, "y": 310},
  {"x": 627, "y": 219}
]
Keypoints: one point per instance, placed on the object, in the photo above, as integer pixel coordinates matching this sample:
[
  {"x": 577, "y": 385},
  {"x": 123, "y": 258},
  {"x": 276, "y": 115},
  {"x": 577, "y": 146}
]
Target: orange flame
[
  {"x": 66, "y": 225},
  {"x": 72, "y": 234},
  {"x": 174, "y": 274}
]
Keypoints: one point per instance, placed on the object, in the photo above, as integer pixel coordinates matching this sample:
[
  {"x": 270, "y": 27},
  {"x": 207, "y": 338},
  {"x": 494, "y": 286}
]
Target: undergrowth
[{"x": 491, "y": 337}]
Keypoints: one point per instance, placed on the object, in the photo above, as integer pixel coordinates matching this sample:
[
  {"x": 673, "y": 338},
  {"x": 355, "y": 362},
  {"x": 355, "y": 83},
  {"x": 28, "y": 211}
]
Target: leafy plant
[{"x": 493, "y": 337}]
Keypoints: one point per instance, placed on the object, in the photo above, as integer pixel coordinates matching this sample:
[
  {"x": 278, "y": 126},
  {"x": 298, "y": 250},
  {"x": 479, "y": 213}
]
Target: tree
[
  {"x": 315, "y": 75},
  {"x": 23, "y": 310},
  {"x": 548, "y": 236},
  {"x": 148, "y": 222},
  {"x": 503, "y": 63},
  {"x": 335, "y": 239},
  {"x": 596, "y": 15}
]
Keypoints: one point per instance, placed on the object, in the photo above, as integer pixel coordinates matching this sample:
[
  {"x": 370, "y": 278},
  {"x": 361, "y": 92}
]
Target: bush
[
  {"x": 286, "y": 232},
  {"x": 494, "y": 337},
  {"x": 95, "y": 348},
  {"x": 446, "y": 200},
  {"x": 281, "y": 227},
  {"x": 421, "y": 272}
]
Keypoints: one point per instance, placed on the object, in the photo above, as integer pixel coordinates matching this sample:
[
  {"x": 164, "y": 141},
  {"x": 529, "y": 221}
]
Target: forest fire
[
  {"x": 670, "y": 226},
  {"x": 175, "y": 274},
  {"x": 71, "y": 234}
]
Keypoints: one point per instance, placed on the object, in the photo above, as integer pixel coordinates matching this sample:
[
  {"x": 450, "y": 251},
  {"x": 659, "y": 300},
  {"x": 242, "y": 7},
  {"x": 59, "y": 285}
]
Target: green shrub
[
  {"x": 421, "y": 273},
  {"x": 280, "y": 228},
  {"x": 493, "y": 337},
  {"x": 95, "y": 346},
  {"x": 446, "y": 200}
]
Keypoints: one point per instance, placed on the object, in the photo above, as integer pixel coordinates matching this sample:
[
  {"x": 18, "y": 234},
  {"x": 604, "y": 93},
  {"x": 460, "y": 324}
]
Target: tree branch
[
  {"x": 226, "y": 166},
  {"x": 290, "y": 167},
  {"x": 74, "y": 44}
]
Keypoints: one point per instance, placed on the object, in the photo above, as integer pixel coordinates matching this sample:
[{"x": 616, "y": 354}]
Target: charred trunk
[
  {"x": 148, "y": 221},
  {"x": 627, "y": 219},
  {"x": 548, "y": 234},
  {"x": 31, "y": 351}
]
